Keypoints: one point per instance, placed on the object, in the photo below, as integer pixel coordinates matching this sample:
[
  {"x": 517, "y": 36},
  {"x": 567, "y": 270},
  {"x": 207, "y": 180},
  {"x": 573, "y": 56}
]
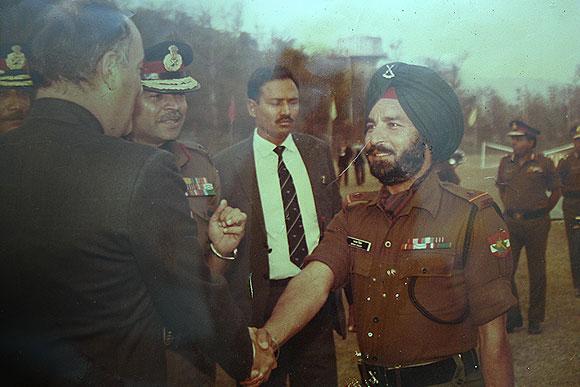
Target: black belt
[
  {"x": 523, "y": 214},
  {"x": 572, "y": 195},
  {"x": 418, "y": 376}
]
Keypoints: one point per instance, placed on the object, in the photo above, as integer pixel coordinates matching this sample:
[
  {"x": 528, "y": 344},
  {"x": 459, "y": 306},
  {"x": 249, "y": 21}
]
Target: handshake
[{"x": 265, "y": 356}]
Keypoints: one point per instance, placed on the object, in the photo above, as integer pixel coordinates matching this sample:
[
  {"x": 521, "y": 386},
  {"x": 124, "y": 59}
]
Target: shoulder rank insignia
[
  {"x": 355, "y": 198},
  {"x": 426, "y": 243},
  {"x": 198, "y": 186},
  {"x": 499, "y": 244}
]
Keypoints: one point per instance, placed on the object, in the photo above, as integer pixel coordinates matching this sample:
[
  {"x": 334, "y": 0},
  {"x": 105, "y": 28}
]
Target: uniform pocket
[{"x": 435, "y": 287}]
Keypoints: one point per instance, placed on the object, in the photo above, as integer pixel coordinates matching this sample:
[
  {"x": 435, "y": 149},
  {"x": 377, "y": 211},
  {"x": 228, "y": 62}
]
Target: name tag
[{"x": 358, "y": 243}]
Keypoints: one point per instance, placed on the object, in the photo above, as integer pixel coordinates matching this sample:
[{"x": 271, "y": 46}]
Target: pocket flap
[{"x": 435, "y": 265}]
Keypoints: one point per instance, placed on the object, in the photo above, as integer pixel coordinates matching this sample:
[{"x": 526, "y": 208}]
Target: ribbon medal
[
  {"x": 198, "y": 186},
  {"x": 426, "y": 243}
]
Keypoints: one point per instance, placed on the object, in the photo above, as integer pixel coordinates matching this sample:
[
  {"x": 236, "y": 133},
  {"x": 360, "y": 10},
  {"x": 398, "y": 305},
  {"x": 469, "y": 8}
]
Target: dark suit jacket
[
  {"x": 249, "y": 274},
  {"x": 97, "y": 253}
]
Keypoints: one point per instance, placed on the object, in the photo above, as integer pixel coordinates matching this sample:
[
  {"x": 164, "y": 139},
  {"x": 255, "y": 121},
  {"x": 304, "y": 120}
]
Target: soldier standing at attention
[
  {"x": 429, "y": 262},
  {"x": 158, "y": 120},
  {"x": 523, "y": 179},
  {"x": 569, "y": 171}
]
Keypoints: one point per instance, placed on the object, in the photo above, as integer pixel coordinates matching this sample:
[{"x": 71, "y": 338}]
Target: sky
[{"x": 504, "y": 44}]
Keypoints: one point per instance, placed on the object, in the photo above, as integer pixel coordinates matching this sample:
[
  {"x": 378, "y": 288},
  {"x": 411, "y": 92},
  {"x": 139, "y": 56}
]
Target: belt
[
  {"x": 572, "y": 195},
  {"x": 523, "y": 214},
  {"x": 439, "y": 372}
]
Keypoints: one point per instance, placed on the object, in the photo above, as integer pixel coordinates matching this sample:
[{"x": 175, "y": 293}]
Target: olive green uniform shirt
[
  {"x": 523, "y": 187},
  {"x": 202, "y": 181},
  {"x": 418, "y": 255}
]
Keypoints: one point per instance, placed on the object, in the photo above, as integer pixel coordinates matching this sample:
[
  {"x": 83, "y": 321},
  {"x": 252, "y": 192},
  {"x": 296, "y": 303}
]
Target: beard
[{"x": 407, "y": 165}]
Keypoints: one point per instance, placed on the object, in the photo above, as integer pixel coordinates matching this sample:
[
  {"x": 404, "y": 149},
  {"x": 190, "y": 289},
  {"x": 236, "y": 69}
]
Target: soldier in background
[
  {"x": 15, "y": 86},
  {"x": 523, "y": 179},
  {"x": 359, "y": 163},
  {"x": 344, "y": 157},
  {"x": 158, "y": 121},
  {"x": 569, "y": 172}
]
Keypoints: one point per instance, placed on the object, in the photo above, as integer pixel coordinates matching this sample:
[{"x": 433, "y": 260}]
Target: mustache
[
  {"x": 173, "y": 115},
  {"x": 380, "y": 148},
  {"x": 284, "y": 118}
]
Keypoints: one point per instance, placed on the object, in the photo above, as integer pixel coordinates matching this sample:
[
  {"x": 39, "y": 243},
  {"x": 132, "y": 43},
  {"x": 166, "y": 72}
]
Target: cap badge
[
  {"x": 173, "y": 60},
  {"x": 514, "y": 126},
  {"x": 16, "y": 59},
  {"x": 389, "y": 72}
]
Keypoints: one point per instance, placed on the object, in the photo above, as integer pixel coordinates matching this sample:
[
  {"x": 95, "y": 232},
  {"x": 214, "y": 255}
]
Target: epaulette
[
  {"x": 194, "y": 146},
  {"x": 480, "y": 199},
  {"x": 357, "y": 198}
]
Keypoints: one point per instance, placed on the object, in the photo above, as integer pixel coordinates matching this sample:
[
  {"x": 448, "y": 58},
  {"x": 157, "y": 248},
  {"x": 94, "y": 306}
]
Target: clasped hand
[{"x": 264, "y": 357}]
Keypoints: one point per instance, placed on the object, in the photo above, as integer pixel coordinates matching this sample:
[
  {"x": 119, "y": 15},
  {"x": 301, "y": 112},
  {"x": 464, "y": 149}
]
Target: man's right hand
[{"x": 264, "y": 357}]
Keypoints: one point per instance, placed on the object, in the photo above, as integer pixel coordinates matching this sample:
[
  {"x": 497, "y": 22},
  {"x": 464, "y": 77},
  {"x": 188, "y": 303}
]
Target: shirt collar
[
  {"x": 428, "y": 196},
  {"x": 527, "y": 157},
  {"x": 264, "y": 148}
]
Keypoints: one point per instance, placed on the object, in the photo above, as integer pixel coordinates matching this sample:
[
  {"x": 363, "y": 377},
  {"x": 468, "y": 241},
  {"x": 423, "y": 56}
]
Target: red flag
[{"x": 232, "y": 110}]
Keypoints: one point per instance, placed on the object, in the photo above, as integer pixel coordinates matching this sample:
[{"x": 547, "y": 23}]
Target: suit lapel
[{"x": 312, "y": 167}]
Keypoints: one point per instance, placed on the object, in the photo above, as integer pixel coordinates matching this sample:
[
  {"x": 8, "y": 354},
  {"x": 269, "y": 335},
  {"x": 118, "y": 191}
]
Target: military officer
[
  {"x": 15, "y": 86},
  {"x": 429, "y": 262},
  {"x": 158, "y": 120},
  {"x": 569, "y": 172},
  {"x": 523, "y": 178}
]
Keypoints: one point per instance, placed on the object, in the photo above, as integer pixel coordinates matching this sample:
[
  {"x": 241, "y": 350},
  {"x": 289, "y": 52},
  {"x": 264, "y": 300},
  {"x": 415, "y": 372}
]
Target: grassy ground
[{"x": 549, "y": 359}]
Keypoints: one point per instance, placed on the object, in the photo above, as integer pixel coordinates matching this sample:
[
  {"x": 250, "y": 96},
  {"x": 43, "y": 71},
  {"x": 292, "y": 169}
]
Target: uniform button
[
  {"x": 375, "y": 319},
  {"x": 397, "y": 296},
  {"x": 384, "y": 295},
  {"x": 374, "y": 279},
  {"x": 424, "y": 270},
  {"x": 388, "y": 244},
  {"x": 370, "y": 334},
  {"x": 368, "y": 298}
]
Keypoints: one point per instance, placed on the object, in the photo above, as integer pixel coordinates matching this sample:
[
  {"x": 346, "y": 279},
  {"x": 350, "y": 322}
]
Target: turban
[{"x": 429, "y": 102}]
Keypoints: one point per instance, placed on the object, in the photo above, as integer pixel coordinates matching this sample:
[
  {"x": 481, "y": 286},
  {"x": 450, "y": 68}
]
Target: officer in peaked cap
[
  {"x": 158, "y": 120},
  {"x": 163, "y": 69},
  {"x": 520, "y": 128},
  {"x": 15, "y": 86},
  {"x": 523, "y": 179},
  {"x": 569, "y": 172}
]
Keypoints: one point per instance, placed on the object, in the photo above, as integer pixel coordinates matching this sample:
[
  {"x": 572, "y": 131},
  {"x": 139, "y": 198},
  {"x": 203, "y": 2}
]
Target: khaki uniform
[
  {"x": 420, "y": 292},
  {"x": 523, "y": 192},
  {"x": 569, "y": 172},
  {"x": 188, "y": 366}
]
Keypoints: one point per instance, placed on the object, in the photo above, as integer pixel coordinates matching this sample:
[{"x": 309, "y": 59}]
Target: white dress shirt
[{"x": 271, "y": 198}]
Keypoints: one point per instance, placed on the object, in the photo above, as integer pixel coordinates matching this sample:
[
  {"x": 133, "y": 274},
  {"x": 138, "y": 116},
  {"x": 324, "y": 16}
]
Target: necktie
[{"x": 294, "y": 228}]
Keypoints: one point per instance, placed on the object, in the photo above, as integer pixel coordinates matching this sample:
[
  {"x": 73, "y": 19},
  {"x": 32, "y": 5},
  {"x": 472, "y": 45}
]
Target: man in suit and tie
[
  {"x": 98, "y": 250},
  {"x": 285, "y": 183}
]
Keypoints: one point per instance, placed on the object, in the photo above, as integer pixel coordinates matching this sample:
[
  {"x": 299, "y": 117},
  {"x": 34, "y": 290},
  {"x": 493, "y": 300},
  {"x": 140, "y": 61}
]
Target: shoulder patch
[{"x": 357, "y": 198}]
